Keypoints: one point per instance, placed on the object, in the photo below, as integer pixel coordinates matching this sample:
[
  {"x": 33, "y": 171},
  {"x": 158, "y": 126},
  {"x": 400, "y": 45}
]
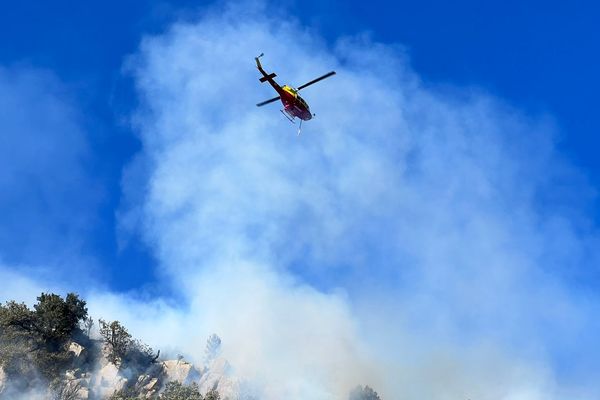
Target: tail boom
[{"x": 267, "y": 77}]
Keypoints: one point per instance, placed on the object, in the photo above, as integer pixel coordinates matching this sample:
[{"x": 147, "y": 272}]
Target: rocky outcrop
[
  {"x": 149, "y": 383},
  {"x": 109, "y": 380},
  {"x": 219, "y": 376},
  {"x": 147, "y": 380},
  {"x": 181, "y": 371},
  {"x": 75, "y": 385},
  {"x": 148, "y": 386},
  {"x": 93, "y": 377}
]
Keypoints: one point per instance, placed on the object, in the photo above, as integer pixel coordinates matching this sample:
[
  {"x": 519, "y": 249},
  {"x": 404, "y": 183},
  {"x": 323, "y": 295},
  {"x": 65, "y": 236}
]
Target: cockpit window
[{"x": 290, "y": 89}]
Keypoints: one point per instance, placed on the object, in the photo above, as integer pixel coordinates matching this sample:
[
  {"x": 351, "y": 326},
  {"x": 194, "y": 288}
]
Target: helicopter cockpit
[{"x": 290, "y": 89}]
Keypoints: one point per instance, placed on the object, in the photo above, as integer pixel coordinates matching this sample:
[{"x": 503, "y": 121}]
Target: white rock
[
  {"x": 181, "y": 371},
  {"x": 148, "y": 383},
  {"x": 218, "y": 376},
  {"x": 108, "y": 374},
  {"x": 76, "y": 349},
  {"x": 220, "y": 366},
  {"x": 151, "y": 385},
  {"x": 80, "y": 354},
  {"x": 229, "y": 387},
  {"x": 83, "y": 393},
  {"x": 108, "y": 380}
]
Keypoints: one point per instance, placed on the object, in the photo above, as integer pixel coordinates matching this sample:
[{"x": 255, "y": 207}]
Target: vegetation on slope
[{"x": 35, "y": 353}]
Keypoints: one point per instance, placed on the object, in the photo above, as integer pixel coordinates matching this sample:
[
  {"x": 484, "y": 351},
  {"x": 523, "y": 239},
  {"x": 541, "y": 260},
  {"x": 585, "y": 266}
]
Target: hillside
[{"x": 55, "y": 351}]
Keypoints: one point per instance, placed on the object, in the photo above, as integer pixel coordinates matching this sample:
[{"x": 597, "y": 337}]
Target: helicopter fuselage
[{"x": 293, "y": 104}]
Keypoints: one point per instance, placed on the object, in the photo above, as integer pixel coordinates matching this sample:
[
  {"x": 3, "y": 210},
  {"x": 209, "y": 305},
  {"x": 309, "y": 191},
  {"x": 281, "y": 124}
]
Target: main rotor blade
[
  {"x": 327, "y": 75},
  {"x": 267, "y": 101}
]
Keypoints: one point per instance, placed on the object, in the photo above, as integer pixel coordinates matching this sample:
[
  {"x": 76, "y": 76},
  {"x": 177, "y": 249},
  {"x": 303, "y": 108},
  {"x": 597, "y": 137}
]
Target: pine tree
[
  {"x": 213, "y": 348},
  {"x": 366, "y": 393}
]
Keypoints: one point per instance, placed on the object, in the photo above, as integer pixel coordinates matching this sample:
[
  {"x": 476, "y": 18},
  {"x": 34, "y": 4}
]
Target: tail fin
[
  {"x": 258, "y": 62},
  {"x": 265, "y": 76}
]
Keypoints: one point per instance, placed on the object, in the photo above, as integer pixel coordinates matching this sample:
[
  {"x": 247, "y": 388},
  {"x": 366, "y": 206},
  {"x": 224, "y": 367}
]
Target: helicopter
[{"x": 294, "y": 106}]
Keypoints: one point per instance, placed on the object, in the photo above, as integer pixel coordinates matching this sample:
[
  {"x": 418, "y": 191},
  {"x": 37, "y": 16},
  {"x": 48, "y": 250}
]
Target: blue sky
[
  {"x": 541, "y": 57},
  {"x": 457, "y": 210}
]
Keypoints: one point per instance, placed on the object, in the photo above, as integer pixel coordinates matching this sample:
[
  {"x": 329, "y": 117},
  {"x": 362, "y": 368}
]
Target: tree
[
  {"x": 212, "y": 395},
  {"x": 33, "y": 343},
  {"x": 177, "y": 391},
  {"x": 366, "y": 393},
  {"x": 122, "y": 348},
  {"x": 15, "y": 317},
  {"x": 56, "y": 319},
  {"x": 16, "y": 338},
  {"x": 213, "y": 348},
  {"x": 86, "y": 326},
  {"x": 117, "y": 339},
  {"x": 125, "y": 394}
]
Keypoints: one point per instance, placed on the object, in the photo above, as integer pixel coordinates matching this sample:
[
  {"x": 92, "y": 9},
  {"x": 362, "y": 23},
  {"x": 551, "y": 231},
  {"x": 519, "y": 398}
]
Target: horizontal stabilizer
[{"x": 266, "y": 78}]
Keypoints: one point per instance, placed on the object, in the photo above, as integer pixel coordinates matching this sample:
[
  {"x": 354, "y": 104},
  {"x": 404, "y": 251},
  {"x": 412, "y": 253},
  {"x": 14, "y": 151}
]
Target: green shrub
[
  {"x": 124, "y": 394},
  {"x": 212, "y": 395},
  {"x": 176, "y": 391}
]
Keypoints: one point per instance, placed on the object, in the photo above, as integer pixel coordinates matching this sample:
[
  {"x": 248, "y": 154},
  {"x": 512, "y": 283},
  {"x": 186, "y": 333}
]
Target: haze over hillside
[{"x": 56, "y": 352}]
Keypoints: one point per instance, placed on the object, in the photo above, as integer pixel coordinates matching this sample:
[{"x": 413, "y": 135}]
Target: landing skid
[{"x": 290, "y": 118}]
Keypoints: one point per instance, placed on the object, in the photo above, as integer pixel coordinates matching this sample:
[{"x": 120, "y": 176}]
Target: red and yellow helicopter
[{"x": 293, "y": 105}]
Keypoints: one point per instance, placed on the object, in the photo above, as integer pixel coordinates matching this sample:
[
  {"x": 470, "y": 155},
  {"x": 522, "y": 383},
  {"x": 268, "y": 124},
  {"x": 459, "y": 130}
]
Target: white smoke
[
  {"x": 405, "y": 240},
  {"x": 417, "y": 240}
]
